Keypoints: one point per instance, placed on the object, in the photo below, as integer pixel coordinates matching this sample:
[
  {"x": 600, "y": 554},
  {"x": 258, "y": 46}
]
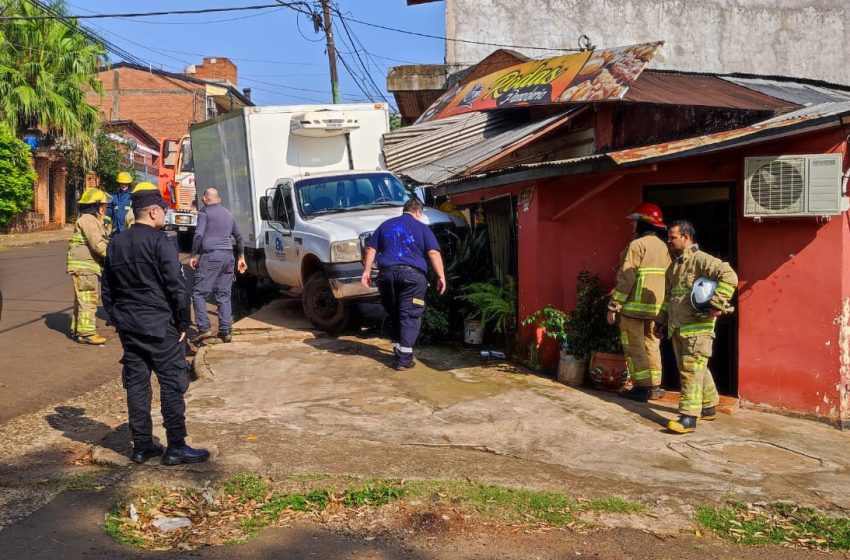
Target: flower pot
[
  {"x": 571, "y": 370},
  {"x": 608, "y": 371},
  {"x": 473, "y": 332}
]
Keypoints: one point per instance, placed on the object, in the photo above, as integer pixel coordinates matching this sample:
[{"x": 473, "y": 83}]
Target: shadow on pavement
[
  {"x": 75, "y": 425},
  {"x": 647, "y": 411}
]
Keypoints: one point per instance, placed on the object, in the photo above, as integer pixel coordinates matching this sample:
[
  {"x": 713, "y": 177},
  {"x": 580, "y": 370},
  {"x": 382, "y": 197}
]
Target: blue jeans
[{"x": 214, "y": 275}]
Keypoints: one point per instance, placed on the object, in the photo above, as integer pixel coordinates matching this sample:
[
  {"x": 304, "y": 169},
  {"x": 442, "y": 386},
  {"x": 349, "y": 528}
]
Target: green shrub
[{"x": 16, "y": 177}]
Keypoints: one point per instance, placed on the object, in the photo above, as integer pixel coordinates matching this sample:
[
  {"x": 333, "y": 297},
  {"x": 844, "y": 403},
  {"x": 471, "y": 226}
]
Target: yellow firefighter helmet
[
  {"x": 94, "y": 196},
  {"x": 124, "y": 178},
  {"x": 145, "y": 186}
]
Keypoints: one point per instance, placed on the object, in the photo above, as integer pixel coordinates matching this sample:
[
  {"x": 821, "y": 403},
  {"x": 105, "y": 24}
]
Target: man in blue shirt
[
  {"x": 119, "y": 207},
  {"x": 401, "y": 245},
  {"x": 213, "y": 262}
]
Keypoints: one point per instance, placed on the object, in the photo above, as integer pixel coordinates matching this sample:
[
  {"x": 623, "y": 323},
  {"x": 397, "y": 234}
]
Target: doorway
[{"x": 710, "y": 207}]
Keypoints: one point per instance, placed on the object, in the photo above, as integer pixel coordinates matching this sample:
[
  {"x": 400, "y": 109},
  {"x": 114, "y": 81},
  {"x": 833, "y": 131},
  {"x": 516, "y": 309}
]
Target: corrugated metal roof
[
  {"x": 798, "y": 122},
  {"x": 797, "y": 92},
  {"x": 458, "y": 160},
  {"x": 672, "y": 88}
]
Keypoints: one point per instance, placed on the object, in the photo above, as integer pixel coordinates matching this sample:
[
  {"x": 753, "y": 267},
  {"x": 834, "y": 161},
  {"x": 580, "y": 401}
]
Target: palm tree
[{"x": 46, "y": 68}]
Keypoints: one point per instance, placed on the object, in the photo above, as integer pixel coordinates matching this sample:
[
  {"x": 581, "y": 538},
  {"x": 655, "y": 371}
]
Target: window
[{"x": 325, "y": 195}]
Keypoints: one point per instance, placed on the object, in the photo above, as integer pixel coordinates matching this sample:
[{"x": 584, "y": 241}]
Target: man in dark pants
[
  {"x": 213, "y": 263},
  {"x": 401, "y": 245},
  {"x": 145, "y": 297}
]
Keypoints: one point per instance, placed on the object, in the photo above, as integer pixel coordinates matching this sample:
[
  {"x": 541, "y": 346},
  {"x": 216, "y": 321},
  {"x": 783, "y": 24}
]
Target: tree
[
  {"x": 16, "y": 176},
  {"x": 113, "y": 157},
  {"x": 46, "y": 68}
]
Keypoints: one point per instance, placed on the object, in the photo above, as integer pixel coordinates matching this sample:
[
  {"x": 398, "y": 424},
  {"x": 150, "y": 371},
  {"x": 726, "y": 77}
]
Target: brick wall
[
  {"x": 216, "y": 69},
  {"x": 161, "y": 107}
]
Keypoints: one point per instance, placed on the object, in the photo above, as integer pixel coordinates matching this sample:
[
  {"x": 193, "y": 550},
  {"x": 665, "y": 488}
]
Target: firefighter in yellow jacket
[
  {"x": 85, "y": 254},
  {"x": 637, "y": 299},
  {"x": 699, "y": 289}
]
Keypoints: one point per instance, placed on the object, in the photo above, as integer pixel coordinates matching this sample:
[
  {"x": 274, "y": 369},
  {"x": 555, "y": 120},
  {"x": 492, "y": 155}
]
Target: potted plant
[
  {"x": 591, "y": 337},
  {"x": 493, "y": 304},
  {"x": 553, "y": 323}
]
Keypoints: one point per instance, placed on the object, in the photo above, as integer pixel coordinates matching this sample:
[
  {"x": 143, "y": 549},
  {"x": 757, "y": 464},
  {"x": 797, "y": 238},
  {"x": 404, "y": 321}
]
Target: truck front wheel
[{"x": 321, "y": 307}]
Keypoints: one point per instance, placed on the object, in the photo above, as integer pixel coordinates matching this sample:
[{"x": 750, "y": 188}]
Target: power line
[
  {"x": 362, "y": 64},
  {"x": 442, "y": 38},
  {"x": 153, "y": 14}
]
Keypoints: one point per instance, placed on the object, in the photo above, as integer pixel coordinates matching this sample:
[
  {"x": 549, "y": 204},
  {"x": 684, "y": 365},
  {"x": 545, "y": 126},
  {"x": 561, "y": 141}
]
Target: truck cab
[
  {"x": 177, "y": 185},
  {"x": 316, "y": 230}
]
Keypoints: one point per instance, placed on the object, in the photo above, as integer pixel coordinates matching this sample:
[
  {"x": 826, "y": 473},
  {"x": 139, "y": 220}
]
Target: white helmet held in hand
[{"x": 702, "y": 292}]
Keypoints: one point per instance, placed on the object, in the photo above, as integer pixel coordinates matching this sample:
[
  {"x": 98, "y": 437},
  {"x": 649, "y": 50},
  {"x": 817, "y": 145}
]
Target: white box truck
[{"x": 307, "y": 187}]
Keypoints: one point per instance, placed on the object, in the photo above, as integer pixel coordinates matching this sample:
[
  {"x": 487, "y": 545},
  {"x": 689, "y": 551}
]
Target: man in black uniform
[
  {"x": 401, "y": 245},
  {"x": 145, "y": 297}
]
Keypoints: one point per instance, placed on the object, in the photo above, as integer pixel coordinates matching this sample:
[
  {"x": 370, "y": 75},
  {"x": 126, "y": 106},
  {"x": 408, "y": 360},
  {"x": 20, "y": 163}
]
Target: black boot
[
  {"x": 709, "y": 414},
  {"x": 640, "y": 394},
  {"x": 176, "y": 455},
  {"x": 684, "y": 425},
  {"x": 143, "y": 453}
]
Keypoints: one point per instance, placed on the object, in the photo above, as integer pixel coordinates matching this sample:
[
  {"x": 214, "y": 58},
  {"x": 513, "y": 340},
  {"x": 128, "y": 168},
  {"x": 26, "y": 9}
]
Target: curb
[{"x": 199, "y": 365}]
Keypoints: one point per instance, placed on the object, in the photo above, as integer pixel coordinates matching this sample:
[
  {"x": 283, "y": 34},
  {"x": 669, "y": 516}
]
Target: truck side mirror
[{"x": 266, "y": 210}]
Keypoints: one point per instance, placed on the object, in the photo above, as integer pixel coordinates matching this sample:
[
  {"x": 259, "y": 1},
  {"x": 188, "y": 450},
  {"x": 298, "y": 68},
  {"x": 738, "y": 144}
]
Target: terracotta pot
[{"x": 608, "y": 371}]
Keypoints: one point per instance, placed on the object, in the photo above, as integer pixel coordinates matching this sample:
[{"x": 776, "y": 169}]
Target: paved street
[{"x": 39, "y": 363}]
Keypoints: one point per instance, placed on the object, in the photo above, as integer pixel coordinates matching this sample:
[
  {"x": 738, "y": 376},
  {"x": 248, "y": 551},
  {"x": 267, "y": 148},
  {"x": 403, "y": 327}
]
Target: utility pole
[{"x": 329, "y": 36}]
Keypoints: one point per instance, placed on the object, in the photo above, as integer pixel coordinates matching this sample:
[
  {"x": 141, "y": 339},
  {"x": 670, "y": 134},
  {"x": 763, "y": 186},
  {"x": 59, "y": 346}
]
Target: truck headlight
[{"x": 345, "y": 251}]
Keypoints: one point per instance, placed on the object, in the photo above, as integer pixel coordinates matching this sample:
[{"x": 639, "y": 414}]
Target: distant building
[{"x": 165, "y": 104}]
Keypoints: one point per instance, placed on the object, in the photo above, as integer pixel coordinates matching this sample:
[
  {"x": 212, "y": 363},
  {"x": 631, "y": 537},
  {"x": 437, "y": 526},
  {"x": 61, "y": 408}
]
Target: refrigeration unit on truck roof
[{"x": 321, "y": 124}]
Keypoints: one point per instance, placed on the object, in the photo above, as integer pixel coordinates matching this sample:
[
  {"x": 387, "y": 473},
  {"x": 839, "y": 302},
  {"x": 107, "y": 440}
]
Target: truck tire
[{"x": 321, "y": 307}]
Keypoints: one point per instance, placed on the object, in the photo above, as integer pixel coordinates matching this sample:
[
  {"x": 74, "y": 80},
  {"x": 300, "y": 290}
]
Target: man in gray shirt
[{"x": 213, "y": 263}]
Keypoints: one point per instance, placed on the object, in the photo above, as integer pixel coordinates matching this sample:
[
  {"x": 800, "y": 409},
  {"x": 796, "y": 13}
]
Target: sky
[{"x": 277, "y": 53}]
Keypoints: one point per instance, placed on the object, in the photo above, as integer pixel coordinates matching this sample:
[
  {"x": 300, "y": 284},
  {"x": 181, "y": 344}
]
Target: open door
[{"x": 710, "y": 207}]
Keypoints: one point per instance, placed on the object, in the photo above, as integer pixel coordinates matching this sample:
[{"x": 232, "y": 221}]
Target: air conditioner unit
[
  {"x": 321, "y": 124},
  {"x": 783, "y": 186}
]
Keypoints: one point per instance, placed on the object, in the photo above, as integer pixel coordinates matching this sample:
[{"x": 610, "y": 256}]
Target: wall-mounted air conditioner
[{"x": 782, "y": 186}]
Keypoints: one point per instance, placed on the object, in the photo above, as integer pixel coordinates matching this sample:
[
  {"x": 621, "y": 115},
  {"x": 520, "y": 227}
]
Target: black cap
[{"x": 147, "y": 198}]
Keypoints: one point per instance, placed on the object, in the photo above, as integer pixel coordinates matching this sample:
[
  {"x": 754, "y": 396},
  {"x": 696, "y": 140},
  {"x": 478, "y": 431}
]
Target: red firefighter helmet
[{"x": 649, "y": 213}]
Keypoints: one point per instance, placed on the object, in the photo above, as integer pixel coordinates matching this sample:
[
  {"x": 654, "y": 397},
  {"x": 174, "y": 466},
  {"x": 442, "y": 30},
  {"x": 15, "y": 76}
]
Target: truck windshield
[
  {"x": 327, "y": 195},
  {"x": 186, "y": 162}
]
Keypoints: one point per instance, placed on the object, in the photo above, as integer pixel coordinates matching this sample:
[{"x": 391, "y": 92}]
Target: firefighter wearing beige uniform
[
  {"x": 637, "y": 299},
  {"x": 85, "y": 255},
  {"x": 692, "y": 329}
]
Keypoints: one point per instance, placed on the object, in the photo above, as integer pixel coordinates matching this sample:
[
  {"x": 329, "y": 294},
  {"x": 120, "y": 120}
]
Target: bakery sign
[{"x": 598, "y": 75}]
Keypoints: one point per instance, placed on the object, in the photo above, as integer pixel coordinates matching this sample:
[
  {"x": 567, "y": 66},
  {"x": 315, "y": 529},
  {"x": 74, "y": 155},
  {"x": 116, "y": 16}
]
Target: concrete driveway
[{"x": 284, "y": 399}]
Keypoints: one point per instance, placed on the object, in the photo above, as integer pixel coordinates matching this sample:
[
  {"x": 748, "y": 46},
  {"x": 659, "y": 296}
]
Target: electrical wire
[
  {"x": 50, "y": 15},
  {"x": 442, "y": 38}
]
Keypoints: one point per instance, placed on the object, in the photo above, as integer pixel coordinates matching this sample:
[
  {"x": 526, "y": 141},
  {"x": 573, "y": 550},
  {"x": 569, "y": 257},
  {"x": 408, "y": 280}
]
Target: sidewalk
[
  {"x": 331, "y": 405},
  {"x": 14, "y": 240}
]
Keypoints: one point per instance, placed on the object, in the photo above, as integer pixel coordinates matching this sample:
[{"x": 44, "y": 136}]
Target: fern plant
[{"x": 494, "y": 303}]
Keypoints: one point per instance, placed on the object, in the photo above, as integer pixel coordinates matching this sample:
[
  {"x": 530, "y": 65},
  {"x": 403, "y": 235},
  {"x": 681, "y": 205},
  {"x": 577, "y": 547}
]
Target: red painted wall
[{"x": 794, "y": 273}]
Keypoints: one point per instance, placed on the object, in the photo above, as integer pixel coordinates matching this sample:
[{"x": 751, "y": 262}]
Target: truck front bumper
[{"x": 344, "y": 279}]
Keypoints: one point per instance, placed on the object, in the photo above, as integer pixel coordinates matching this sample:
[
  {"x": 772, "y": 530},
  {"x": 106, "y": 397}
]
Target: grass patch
[
  {"x": 777, "y": 524},
  {"x": 244, "y": 504},
  {"x": 247, "y": 487},
  {"x": 86, "y": 480},
  {"x": 520, "y": 506}
]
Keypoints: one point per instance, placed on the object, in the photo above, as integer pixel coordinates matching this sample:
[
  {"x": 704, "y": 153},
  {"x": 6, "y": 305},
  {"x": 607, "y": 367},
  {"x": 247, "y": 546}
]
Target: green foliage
[
  {"x": 465, "y": 259},
  {"x": 112, "y": 159},
  {"x": 555, "y": 321},
  {"x": 377, "y": 495},
  {"x": 777, "y": 524},
  {"x": 247, "y": 487},
  {"x": 395, "y": 121},
  {"x": 47, "y": 67},
  {"x": 493, "y": 302},
  {"x": 16, "y": 177},
  {"x": 588, "y": 330}
]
